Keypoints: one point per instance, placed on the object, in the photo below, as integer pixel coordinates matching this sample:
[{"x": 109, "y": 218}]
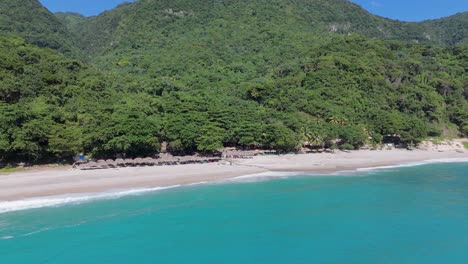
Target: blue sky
[
  {"x": 414, "y": 10},
  {"x": 85, "y": 7},
  {"x": 406, "y": 10}
]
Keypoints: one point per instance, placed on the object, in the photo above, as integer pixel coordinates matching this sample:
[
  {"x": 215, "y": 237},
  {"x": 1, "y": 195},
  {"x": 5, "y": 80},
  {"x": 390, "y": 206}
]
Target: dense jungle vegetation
[{"x": 201, "y": 75}]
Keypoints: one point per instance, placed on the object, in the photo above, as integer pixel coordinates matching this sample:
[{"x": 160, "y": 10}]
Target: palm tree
[
  {"x": 338, "y": 120},
  {"x": 306, "y": 135},
  {"x": 311, "y": 138},
  {"x": 317, "y": 140}
]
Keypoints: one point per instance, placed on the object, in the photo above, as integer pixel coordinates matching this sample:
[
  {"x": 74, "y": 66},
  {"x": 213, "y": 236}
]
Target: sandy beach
[{"x": 41, "y": 183}]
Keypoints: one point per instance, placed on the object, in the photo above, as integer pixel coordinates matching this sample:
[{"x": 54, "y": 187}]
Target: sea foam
[
  {"x": 414, "y": 164},
  {"x": 51, "y": 201}
]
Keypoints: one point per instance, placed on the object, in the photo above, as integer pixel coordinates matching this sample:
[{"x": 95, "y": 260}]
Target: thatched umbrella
[
  {"x": 190, "y": 160},
  {"x": 129, "y": 162},
  {"x": 89, "y": 166},
  {"x": 120, "y": 162},
  {"x": 111, "y": 163},
  {"x": 181, "y": 160},
  {"x": 198, "y": 160},
  {"x": 215, "y": 159},
  {"x": 162, "y": 160},
  {"x": 149, "y": 161},
  {"x": 171, "y": 160},
  {"x": 139, "y": 162},
  {"x": 174, "y": 159},
  {"x": 102, "y": 164}
]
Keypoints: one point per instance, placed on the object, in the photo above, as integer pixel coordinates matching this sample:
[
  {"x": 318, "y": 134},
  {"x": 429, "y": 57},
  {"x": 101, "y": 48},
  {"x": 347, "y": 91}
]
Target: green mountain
[
  {"x": 143, "y": 22},
  {"x": 30, "y": 20},
  {"x": 451, "y": 30},
  {"x": 234, "y": 41},
  {"x": 93, "y": 34},
  {"x": 201, "y": 75}
]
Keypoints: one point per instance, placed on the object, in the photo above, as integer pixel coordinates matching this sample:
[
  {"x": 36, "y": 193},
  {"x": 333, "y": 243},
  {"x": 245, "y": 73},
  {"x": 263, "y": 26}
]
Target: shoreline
[{"x": 33, "y": 189}]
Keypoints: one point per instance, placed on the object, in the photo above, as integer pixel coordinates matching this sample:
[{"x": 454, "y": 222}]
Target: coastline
[{"x": 33, "y": 189}]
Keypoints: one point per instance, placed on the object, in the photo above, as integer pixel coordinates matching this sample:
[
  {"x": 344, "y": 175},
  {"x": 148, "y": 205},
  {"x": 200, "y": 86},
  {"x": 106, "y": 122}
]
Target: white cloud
[{"x": 375, "y": 3}]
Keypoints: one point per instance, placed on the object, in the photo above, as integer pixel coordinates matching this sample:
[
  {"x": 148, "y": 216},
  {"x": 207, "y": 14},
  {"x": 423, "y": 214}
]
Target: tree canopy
[{"x": 202, "y": 75}]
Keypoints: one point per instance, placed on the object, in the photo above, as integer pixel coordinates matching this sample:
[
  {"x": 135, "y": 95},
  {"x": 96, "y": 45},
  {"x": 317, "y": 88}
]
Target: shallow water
[{"x": 400, "y": 215}]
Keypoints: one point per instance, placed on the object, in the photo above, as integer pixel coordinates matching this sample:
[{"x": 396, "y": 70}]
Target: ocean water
[{"x": 396, "y": 215}]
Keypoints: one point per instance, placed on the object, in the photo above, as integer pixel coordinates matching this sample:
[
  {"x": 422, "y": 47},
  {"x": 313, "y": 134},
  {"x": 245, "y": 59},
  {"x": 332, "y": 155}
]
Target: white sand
[
  {"x": 42, "y": 183},
  {"x": 58, "y": 182},
  {"x": 340, "y": 161}
]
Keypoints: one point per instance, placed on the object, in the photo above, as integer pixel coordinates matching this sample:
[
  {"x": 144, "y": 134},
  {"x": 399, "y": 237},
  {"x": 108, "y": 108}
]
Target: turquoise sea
[{"x": 397, "y": 215}]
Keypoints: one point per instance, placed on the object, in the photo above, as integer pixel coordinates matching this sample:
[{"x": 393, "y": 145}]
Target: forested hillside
[
  {"x": 201, "y": 75},
  {"x": 30, "y": 20},
  {"x": 149, "y": 22},
  {"x": 450, "y": 30},
  {"x": 47, "y": 103}
]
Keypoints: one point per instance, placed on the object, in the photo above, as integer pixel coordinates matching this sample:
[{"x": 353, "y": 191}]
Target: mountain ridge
[
  {"x": 339, "y": 16},
  {"x": 66, "y": 32},
  {"x": 32, "y": 21}
]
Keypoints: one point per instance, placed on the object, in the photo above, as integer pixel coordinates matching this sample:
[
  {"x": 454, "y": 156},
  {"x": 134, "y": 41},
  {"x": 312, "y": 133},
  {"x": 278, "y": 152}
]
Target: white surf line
[
  {"x": 415, "y": 164},
  {"x": 51, "y": 201},
  {"x": 279, "y": 174}
]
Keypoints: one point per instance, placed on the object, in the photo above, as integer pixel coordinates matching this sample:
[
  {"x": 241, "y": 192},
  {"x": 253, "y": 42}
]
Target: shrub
[{"x": 347, "y": 146}]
